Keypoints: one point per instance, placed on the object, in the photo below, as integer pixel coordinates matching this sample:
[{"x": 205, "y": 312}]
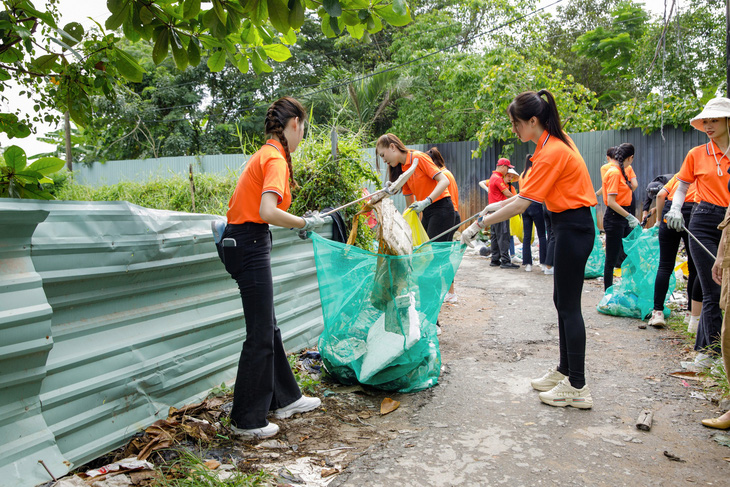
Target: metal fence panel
[{"x": 144, "y": 317}]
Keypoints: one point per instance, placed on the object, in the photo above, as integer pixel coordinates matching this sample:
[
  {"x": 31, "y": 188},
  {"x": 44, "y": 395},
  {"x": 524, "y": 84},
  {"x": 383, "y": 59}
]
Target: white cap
[{"x": 715, "y": 108}]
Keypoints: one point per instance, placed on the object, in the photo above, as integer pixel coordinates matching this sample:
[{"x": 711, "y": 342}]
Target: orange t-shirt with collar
[
  {"x": 266, "y": 171},
  {"x": 615, "y": 184},
  {"x": 559, "y": 177},
  {"x": 453, "y": 189},
  {"x": 671, "y": 188},
  {"x": 523, "y": 177},
  {"x": 421, "y": 182},
  {"x": 700, "y": 167}
]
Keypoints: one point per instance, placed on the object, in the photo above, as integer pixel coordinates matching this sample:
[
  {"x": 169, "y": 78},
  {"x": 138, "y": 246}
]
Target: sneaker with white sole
[
  {"x": 528, "y": 268},
  {"x": 516, "y": 260},
  {"x": 694, "y": 323},
  {"x": 265, "y": 432},
  {"x": 703, "y": 360},
  {"x": 549, "y": 271},
  {"x": 302, "y": 405},
  {"x": 451, "y": 298},
  {"x": 657, "y": 319},
  {"x": 565, "y": 394},
  {"x": 547, "y": 381}
]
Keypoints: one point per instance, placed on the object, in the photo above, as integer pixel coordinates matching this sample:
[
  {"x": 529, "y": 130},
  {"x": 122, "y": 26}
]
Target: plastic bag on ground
[
  {"x": 594, "y": 266},
  {"x": 633, "y": 296},
  {"x": 380, "y": 312}
]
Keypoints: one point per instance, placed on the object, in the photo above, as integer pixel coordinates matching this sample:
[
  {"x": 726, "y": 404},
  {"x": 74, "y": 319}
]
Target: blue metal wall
[{"x": 111, "y": 313}]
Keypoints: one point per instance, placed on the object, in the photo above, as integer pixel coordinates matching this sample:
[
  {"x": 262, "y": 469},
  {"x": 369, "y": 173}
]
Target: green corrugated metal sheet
[{"x": 144, "y": 317}]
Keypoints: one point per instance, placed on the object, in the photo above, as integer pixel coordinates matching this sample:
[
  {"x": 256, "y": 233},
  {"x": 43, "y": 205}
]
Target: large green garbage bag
[
  {"x": 633, "y": 296},
  {"x": 380, "y": 312},
  {"x": 594, "y": 266}
]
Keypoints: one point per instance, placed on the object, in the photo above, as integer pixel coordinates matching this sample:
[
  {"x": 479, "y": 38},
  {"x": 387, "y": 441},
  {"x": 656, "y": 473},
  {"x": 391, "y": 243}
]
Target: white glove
[
  {"x": 419, "y": 206},
  {"x": 468, "y": 235},
  {"x": 674, "y": 218},
  {"x": 633, "y": 221},
  {"x": 390, "y": 189},
  {"x": 312, "y": 220}
]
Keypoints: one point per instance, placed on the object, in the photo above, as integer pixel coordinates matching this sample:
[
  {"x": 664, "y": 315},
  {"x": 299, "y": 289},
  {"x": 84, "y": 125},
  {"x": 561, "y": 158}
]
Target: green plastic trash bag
[
  {"x": 380, "y": 312},
  {"x": 633, "y": 296},
  {"x": 594, "y": 266}
]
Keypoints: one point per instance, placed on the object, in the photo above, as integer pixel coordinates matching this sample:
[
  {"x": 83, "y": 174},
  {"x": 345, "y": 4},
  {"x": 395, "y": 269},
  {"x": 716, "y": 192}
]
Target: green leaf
[
  {"x": 260, "y": 12},
  {"x": 45, "y": 63},
  {"x": 219, "y": 11},
  {"x": 391, "y": 17},
  {"x": 47, "y": 165},
  {"x": 15, "y": 158},
  {"x": 75, "y": 31},
  {"x": 159, "y": 52},
  {"x": 332, "y": 7},
  {"x": 217, "y": 61},
  {"x": 191, "y": 9},
  {"x": 242, "y": 63},
  {"x": 290, "y": 38},
  {"x": 399, "y": 7},
  {"x": 128, "y": 66},
  {"x": 193, "y": 52},
  {"x": 335, "y": 25},
  {"x": 119, "y": 14},
  {"x": 178, "y": 52},
  {"x": 296, "y": 15},
  {"x": 277, "y": 52},
  {"x": 130, "y": 31},
  {"x": 146, "y": 15},
  {"x": 259, "y": 66},
  {"x": 279, "y": 15}
]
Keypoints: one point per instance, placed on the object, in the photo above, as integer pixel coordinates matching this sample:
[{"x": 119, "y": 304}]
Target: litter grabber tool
[
  {"x": 698, "y": 242},
  {"x": 475, "y": 215},
  {"x": 384, "y": 190}
]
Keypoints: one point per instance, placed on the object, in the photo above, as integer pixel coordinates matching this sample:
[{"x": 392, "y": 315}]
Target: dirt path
[{"x": 484, "y": 425}]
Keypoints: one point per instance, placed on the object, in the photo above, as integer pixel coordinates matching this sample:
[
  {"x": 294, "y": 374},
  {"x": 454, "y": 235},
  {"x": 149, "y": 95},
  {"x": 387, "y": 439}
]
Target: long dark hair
[
  {"x": 530, "y": 104},
  {"x": 277, "y": 116},
  {"x": 384, "y": 141},
  {"x": 528, "y": 165},
  {"x": 611, "y": 152},
  {"x": 621, "y": 153},
  {"x": 437, "y": 158}
]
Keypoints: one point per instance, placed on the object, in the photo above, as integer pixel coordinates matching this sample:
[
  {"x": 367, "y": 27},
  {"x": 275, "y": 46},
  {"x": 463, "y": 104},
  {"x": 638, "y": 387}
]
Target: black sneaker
[
  {"x": 509, "y": 266},
  {"x": 494, "y": 264}
]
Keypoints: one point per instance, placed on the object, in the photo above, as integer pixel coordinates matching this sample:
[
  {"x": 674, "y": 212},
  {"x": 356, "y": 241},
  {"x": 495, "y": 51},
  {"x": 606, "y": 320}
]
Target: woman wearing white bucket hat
[{"x": 707, "y": 166}]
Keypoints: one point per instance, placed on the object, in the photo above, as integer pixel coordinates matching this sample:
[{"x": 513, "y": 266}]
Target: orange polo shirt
[
  {"x": 700, "y": 167},
  {"x": 266, "y": 171},
  {"x": 453, "y": 189},
  {"x": 671, "y": 188},
  {"x": 421, "y": 182},
  {"x": 559, "y": 177},
  {"x": 614, "y": 184},
  {"x": 523, "y": 177}
]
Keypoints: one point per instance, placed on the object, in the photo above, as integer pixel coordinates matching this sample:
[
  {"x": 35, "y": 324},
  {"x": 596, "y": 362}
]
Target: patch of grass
[
  {"x": 189, "y": 470},
  {"x": 220, "y": 390}
]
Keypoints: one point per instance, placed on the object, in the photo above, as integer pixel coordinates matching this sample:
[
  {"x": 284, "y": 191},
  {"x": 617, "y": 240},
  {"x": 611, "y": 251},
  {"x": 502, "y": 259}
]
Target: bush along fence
[{"x": 112, "y": 313}]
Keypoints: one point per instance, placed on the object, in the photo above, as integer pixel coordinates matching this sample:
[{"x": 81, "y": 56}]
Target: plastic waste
[{"x": 594, "y": 266}]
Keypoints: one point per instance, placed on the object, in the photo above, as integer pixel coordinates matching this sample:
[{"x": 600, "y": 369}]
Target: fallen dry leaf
[
  {"x": 326, "y": 472},
  {"x": 727, "y": 459},
  {"x": 388, "y": 405},
  {"x": 212, "y": 464}
]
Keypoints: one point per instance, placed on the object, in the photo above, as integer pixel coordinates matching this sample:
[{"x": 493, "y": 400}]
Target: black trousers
[
  {"x": 533, "y": 214},
  {"x": 574, "y": 236},
  {"x": 703, "y": 225},
  {"x": 264, "y": 380},
  {"x": 616, "y": 228},
  {"x": 457, "y": 220},
  {"x": 439, "y": 217},
  {"x": 668, "y": 246},
  {"x": 550, "y": 236},
  {"x": 500, "y": 236}
]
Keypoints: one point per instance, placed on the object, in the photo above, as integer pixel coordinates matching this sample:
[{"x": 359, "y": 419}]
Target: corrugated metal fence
[
  {"x": 657, "y": 153},
  {"x": 110, "y": 314}
]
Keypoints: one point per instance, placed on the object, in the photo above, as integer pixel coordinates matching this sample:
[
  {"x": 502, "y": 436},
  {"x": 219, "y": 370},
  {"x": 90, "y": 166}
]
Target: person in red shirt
[
  {"x": 619, "y": 181},
  {"x": 560, "y": 178},
  {"x": 707, "y": 166},
  {"x": 264, "y": 381},
  {"x": 499, "y": 232},
  {"x": 426, "y": 189}
]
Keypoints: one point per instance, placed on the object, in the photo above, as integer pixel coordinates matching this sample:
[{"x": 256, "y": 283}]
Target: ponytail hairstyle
[
  {"x": 530, "y": 104},
  {"x": 611, "y": 153},
  {"x": 528, "y": 165},
  {"x": 437, "y": 158},
  {"x": 384, "y": 141},
  {"x": 621, "y": 153},
  {"x": 277, "y": 116}
]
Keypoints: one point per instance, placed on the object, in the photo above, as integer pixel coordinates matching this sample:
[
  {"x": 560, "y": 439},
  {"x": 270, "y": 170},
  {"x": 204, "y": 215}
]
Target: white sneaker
[
  {"x": 551, "y": 378},
  {"x": 564, "y": 394},
  {"x": 657, "y": 319},
  {"x": 528, "y": 268},
  {"x": 703, "y": 360},
  {"x": 549, "y": 271},
  {"x": 302, "y": 405},
  {"x": 451, "y": 298},
  {"x": 266, "y": 432},
  {"x": 694, "y": 323},
  {"x": 516, "y": 260}
]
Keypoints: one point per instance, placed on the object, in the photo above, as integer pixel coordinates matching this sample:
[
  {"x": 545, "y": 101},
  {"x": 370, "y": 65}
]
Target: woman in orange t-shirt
[
  {"x": 560, "y": 178},
  {"x": 707, "y": 166},
  {"x": 618, "y": 185},
  {"x": 264, "y": 380},
  {"x": 532, "y": 215}
]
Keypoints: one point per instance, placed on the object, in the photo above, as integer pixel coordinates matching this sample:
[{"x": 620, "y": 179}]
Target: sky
[{"x": 83, "y": 11}]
